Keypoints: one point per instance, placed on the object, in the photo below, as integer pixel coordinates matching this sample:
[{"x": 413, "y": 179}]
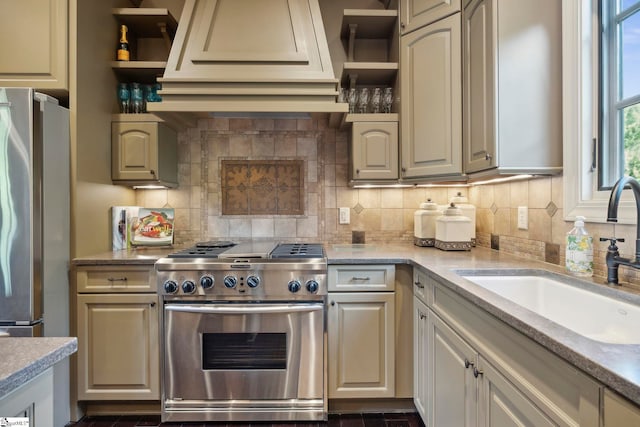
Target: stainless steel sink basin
[{"x": 589, "y": 313}]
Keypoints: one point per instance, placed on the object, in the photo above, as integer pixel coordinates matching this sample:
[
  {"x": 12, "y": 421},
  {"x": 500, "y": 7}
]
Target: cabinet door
[
  {"x": 134, "y": 151},
  {"x": 118, "y": 351},
  {"x": 452, "y": 387},
  {"x": 418, "y": 13},
  {"x": 421, "y": 345},
  {"x": 34, "y": 44},
  {"x": 619, "y": 411},
  {"x": 374, "y": 150},
  {"x": 361, "y": 345},
  {"x": 479, "y": 138},
  {"x": 503, "y": 405},
  {"x": 431, "y": 100}
]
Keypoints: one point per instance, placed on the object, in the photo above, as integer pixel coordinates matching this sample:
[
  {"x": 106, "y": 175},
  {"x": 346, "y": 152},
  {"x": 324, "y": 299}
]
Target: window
[
  {"x": 583, "y": 194},
  {"x": 619, "y": 91}
]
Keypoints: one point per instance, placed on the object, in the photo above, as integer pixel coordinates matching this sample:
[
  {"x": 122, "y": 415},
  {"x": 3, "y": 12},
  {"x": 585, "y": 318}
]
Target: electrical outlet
[
  {"x": 523, "y": 218},
  {"x": 345, "y": 215}
]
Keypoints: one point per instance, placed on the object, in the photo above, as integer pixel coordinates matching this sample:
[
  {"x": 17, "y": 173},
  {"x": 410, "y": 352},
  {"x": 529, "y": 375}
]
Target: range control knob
[
  {"x": 206, "y": 282},
  {"x": 170, "y": 287},
  {"x": 253, "y": 281},
  {"x": 312, "y": 286},
  {"x": 294, "y": 286},
  {"x": 230, "y": 281},
  {"x": 188, "y": 287}
]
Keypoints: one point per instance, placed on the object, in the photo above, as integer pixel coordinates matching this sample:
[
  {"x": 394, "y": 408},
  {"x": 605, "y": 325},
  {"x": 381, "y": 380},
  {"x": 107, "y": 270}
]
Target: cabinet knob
[
  {"x": 487, "y": 157},
  {"x": 357, "y": 171},
  {"x": 152, "y": 172},
  {"x": 419, "y": 285},
  {"x": 423, "y": 316},
  {"x": 477, "y": 372},
  {"x": 402, "y": 25},
  {"x": 153, "y": 304},
  {"x": 333, "y": 303},
  {"x": 403, "y": 169},
  {"x": 467, "y": 363}
]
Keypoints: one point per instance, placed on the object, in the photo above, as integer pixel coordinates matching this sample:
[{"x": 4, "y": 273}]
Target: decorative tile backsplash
[
  {"x": 203, "y": 211},
  {"x": 262, "y": 187}
]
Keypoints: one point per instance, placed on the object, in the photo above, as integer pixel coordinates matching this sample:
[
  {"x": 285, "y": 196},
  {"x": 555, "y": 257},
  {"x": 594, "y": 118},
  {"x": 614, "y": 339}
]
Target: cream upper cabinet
[
  {"x": 34, "y": 47},
  {"x": 431, "y": 100},
  {"x": 143, "y": 151},
  {"x": 374, "y": 151},
  {"x": 512, "y": 86},
  {"x": 418, "y": 13}
]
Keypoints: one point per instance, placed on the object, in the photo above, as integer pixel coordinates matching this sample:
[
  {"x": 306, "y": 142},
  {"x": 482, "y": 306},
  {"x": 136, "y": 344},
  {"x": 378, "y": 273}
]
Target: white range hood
[{"x": 249, "y": 56}]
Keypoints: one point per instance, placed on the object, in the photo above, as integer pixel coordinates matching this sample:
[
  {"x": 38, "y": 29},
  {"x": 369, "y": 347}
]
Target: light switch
[
  {"x": 523, "y": 218},
  {"x": 345, "y": 215}
]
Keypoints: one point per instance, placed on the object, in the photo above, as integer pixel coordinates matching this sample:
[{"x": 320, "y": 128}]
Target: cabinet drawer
[
  {"x": 114, "y": 278},
  {"x": 362, "y": 278}
]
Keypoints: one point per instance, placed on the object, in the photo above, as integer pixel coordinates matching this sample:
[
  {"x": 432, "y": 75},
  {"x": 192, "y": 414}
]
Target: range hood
[{"x": 249, "y": 56}]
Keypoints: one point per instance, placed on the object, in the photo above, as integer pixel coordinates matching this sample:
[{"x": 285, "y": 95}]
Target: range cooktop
[{"x": 230, "y": 250}]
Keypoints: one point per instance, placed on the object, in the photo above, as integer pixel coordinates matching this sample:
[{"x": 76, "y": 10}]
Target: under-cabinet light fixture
[{"x": 502, "y": 179}]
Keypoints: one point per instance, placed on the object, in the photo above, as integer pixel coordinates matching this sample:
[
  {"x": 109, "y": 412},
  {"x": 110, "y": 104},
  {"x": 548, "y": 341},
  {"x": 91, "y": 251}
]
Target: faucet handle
[{"x": 612, "y": 240}]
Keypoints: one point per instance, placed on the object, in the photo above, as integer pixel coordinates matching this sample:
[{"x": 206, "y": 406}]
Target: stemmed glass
[
  {"x": 387, "y": 100},
  {"x": 363, "y": 100},
  {"x": 352, "y": 99},
  {"x": 376, "y": 99}
]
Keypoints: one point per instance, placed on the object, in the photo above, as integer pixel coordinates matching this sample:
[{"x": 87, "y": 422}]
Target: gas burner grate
[{"x": 298, "y": 250}]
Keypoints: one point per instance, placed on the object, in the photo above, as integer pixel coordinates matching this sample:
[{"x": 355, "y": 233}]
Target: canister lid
[
  {"x": 459, "y": 198},
  {"x": 429, "y": 205},
  {"x": 453, "y": 210}
]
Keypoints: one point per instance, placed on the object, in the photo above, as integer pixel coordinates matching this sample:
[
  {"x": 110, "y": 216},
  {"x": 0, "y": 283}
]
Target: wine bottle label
[{"x": 123, "y": 55}]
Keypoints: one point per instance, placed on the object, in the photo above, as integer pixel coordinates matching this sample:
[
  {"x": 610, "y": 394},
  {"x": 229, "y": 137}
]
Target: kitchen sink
[{"x": 581, "y": 308}]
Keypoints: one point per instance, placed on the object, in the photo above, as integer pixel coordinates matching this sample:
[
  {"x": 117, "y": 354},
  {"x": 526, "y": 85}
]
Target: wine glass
[
  {"x": 376, "y": 100},
  {"x": 387, "y": 100},
  {"x": 352, "y": 98},
  {"x": 363, "y": 100},
  {"x": 124, "y": 97}
]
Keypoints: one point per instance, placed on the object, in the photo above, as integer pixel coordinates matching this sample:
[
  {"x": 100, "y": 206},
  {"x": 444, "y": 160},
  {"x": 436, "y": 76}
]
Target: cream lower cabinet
[
  {"x": 421, "y": 345},
  {"x": 481, "y": 372},
  {"x": 361, "y": 332},
  {"x": 619, "y": 411},
  {"x": 431, "y": 100},
  {"x": 32, "y": 400},
  {"x": 117, "y": 325}
]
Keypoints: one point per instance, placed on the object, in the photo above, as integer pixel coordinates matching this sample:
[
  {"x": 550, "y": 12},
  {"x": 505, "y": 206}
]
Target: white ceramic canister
[
  {"x": 453, "y": 230},
  {"x": 468, "y": 210},
  {"x": 424, "y": 224}
]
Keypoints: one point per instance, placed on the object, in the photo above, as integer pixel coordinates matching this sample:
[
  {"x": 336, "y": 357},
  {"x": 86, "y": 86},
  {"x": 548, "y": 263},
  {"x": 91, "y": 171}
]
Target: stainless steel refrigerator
[{"x": 34, "y": 214}]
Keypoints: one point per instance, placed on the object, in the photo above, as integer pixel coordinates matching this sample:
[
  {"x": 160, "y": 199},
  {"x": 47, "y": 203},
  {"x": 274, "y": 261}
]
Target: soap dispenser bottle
[{"x": 579, "y": 252}]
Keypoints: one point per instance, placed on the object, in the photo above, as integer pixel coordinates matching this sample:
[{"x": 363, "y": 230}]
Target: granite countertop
[
  {"x": 22, "y": 359},
  {"x": 614, "y": 365}
]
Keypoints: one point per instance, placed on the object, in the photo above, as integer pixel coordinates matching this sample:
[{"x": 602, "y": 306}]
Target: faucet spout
[{"x": 614, "y": 200}]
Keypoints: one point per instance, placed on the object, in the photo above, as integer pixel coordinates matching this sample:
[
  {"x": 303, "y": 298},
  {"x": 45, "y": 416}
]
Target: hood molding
[{"x": 249, "y": 56}]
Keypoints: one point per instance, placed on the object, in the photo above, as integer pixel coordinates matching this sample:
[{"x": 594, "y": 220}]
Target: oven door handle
[{"x": 244, "y": 308}]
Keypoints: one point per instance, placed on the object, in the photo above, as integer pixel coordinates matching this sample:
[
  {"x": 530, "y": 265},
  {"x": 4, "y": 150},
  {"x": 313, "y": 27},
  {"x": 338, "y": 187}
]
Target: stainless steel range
[{"x": 244, "y": 332}]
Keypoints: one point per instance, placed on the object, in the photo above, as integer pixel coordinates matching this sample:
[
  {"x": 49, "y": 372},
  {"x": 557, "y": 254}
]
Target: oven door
[{"x": 235, "y": 352}]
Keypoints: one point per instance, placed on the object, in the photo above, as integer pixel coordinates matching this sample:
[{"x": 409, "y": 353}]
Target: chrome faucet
[{"x": 613, "y": 259}]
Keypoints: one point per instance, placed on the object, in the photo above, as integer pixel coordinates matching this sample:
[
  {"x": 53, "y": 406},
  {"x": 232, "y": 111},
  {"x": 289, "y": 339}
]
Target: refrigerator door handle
[{"x": 5, "y": 104}]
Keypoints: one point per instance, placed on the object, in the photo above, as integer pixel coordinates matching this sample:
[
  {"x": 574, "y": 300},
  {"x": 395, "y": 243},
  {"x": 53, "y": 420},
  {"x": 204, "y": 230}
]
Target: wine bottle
[{"x": 123, "y": 46}]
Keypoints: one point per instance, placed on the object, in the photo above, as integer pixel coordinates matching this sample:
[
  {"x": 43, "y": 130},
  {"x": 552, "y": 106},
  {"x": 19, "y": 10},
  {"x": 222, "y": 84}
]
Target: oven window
[{"x": 244, "y": 351}]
